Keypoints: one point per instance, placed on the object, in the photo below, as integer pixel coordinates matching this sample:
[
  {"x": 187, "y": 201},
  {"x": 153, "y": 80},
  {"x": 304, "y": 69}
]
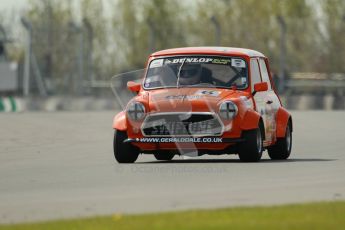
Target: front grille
[{"x": 182, "y": 124}]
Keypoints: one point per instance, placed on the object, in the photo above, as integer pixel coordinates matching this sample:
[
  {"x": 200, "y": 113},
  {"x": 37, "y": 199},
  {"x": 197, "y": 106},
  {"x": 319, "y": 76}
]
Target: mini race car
[{"x": 204, "y": 100}]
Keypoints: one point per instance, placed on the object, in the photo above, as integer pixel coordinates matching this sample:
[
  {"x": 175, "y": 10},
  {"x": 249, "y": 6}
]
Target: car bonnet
[{"x": 187, "y": 99}]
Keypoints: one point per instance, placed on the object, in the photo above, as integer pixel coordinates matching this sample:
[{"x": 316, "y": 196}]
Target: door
[
  {"x": 263, "y": 101},
  {"x": 271, "y": 102}
]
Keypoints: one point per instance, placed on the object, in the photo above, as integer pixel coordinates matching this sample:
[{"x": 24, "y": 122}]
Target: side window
[
  {"x": 254, "y": 72},
  {"x": 264, "y": 73}
]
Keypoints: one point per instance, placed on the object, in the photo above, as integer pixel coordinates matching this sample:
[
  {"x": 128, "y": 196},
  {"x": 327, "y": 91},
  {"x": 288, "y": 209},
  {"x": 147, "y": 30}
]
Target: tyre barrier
[
  {"x": 10, "y": 104},
  {"x": 54, "y": 103}
]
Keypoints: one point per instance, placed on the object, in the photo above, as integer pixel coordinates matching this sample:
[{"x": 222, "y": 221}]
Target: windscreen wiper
[{"x": 179, "y": 73}]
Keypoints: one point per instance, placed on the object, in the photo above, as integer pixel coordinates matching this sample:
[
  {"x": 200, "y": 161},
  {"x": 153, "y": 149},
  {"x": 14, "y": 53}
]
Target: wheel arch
[
  {"x": 119, "y": 121},
  {"x": 283, "y": 119},
  {"x": 253, "y": 120}
]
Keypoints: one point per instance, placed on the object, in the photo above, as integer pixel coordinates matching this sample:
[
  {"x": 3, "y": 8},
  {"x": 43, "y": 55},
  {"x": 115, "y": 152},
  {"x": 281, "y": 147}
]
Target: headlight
[
  {"x": 136, "y": 111},
  {"x": 228, "y": 110}
]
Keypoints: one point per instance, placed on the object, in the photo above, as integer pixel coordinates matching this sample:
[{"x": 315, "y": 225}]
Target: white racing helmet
[{"x": 190, "y": 74}]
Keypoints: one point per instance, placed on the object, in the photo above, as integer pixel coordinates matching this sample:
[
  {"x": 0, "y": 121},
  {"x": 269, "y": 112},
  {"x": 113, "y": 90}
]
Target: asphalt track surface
[{"x": 61, "y": 165}]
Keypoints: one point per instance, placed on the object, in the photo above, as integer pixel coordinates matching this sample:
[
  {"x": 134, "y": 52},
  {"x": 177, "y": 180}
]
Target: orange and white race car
[{"x": 203, "y": 100}]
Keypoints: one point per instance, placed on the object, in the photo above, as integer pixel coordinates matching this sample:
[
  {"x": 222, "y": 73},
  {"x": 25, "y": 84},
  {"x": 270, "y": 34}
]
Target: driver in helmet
[{"x": 190, "y": 74}]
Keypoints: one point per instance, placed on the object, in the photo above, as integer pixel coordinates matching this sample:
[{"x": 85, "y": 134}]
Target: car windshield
[{"x": 197, "y": 71}]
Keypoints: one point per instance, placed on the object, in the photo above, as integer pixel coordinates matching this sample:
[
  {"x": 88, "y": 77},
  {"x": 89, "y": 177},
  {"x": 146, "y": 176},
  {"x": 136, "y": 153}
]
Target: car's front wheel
[
  {"x": 251, "y": 149},
  {"x": 124, "y": 152},
  {"x": 164, "y": 156},
  {"x": 282, "y": 149}
]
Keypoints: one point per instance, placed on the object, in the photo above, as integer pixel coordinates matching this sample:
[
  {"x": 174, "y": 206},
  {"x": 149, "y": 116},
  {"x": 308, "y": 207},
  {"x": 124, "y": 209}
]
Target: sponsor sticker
[
  {"x": 219, "y": 61},
  {"x": 156, "y": 63},
  {"x": 190, "y": 60},
  {"x": 238, "y": 63},
  {"x": 180, "y": 139},
  {"x": 243, "y": 80},
  {"x": 247, "y": 101},
  {"x": 212, "y": 93},
  {"x": 181, "y": 97}
]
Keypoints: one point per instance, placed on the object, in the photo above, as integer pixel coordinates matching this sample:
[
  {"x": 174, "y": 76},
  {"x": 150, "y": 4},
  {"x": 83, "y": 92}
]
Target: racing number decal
[{"x": 212, "y": 93}]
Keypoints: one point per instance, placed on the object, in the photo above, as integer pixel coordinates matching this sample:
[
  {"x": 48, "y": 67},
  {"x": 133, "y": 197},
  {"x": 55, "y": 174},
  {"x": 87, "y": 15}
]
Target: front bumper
[
  {"x": 216, "y": 137},
  {"x": 183, "y": 140}
]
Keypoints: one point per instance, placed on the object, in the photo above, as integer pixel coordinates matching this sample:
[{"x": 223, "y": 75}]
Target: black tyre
[
  {"x": 124, "y": 152},
  {"x": 251, "y": 149},
  {"x": 282, "y": 149},
  {"x": 164, "y": 156}
]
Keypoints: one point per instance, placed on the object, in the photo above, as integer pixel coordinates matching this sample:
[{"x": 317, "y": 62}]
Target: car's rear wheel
[
  {"x": 124, "y": 152},
  {"x": 251, "y": 149},
  {"x": 282, "y": 149},
  {"x": 164, "y": 156}
]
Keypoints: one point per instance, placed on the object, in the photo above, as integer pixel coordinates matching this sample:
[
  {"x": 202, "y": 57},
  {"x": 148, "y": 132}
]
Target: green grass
[{"x": 323, "y": 215}]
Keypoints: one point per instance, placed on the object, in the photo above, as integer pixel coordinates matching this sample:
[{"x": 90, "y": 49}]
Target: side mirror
[
  {"x": 260, "y": 87},
  {"x": 133, "y": 86}
]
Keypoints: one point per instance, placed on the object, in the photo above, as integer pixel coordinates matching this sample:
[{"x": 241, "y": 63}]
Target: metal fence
[{"x": 58, "y": 61}]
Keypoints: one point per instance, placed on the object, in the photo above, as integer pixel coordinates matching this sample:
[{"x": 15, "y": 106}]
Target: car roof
[{"x": 210, "y": 50}]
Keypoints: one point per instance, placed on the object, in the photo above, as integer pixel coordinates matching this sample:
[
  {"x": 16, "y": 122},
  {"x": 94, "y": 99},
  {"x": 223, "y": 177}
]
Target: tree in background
[
  {"x": 303, "y": 43},
  {"x": 334, "y": 13},
  {"x": 98, "y": 56},
  {"x": 92, "y": 42},
  {"x": 52, "y": 36},
  {"x": 129, "y": 35},
  {"x": 70, "y": 48},
  {"x": 142, "y": 27},
  {"x": 253, "y": 24}
]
